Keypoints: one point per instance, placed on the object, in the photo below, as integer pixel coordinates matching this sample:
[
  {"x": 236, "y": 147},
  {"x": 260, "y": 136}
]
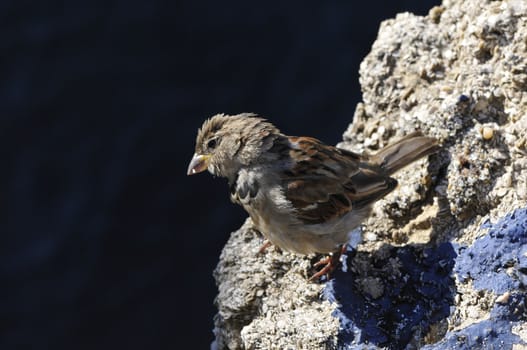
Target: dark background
[{"x": 105, "y": 243}]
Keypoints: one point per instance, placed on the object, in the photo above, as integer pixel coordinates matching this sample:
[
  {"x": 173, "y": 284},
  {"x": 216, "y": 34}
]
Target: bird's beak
[{"x": 199, "y": 163}]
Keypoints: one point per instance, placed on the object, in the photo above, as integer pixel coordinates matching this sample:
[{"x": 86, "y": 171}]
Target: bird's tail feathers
[{"x": 405, "y": 151}]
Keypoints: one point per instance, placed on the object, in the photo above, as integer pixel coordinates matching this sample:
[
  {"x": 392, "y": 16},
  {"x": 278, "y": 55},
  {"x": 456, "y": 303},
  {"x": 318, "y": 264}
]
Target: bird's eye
[{"x": 211, "y": 144}]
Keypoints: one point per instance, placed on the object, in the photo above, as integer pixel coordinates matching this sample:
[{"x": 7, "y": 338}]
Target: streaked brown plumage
[{"x": 302, "y": 195}]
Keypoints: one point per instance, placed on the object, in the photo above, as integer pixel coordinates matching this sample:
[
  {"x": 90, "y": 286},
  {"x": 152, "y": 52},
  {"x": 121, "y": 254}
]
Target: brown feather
[{"x": 327, "y": 182}]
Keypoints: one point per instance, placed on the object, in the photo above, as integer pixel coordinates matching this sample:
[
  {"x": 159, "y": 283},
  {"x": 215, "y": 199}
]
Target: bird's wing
[{"x": 325, "y": 182}]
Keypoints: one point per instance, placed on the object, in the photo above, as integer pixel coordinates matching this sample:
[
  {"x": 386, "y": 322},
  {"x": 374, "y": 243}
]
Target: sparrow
[{"x": 304, "y": 196}]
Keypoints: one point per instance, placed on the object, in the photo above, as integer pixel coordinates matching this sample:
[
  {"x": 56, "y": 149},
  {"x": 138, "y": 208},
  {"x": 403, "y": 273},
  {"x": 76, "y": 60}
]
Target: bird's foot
[
  {"x": 329, "y": 264},
  {"x": 264, "y": 246}
]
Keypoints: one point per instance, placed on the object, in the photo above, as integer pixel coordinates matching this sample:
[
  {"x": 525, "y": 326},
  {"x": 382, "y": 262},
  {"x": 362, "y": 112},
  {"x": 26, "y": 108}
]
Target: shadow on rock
[{"x": 392, "y": 297}]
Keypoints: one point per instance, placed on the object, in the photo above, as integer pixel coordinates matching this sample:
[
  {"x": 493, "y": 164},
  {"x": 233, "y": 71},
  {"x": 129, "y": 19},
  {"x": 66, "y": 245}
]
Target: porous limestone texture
[
  {"x": 458, "y": 74},
  {"x": 265, "y": 300}
]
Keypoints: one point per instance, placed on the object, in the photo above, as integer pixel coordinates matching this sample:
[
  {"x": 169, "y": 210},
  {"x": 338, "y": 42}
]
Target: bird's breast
[
  {"x": 275, "y": 217},
  {"x": 245, "y": 188}
]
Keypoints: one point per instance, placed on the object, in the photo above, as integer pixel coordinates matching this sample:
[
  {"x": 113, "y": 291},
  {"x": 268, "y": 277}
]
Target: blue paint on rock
[
  {"x": 422, "y": 294},
  {"x": 419, "y": 296},
  {"x": 496, "y": 262},
  {"x": 487, "y": 260}
]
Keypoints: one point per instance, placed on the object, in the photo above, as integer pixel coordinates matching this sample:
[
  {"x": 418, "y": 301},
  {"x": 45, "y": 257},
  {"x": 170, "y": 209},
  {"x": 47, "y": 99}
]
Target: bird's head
[{"x": 226, "y": 143}]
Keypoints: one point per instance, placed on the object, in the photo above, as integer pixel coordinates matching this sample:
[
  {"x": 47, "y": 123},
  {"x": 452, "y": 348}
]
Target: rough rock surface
[{"x": 442, "y": 263}]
